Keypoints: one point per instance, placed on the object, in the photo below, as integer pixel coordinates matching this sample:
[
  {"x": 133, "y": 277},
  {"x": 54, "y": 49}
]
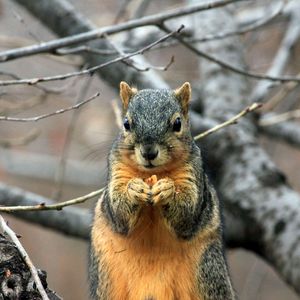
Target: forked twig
[{"x": 231, "y": 121}]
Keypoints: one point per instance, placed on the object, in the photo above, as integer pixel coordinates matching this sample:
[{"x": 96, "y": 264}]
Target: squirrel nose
[{"x": 149, "y": 151}]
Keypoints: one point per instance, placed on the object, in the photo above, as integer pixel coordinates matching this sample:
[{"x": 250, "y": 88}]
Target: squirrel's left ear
[
  {"x": 126, "y": 92},
  {"x": 183, "y": 94}
]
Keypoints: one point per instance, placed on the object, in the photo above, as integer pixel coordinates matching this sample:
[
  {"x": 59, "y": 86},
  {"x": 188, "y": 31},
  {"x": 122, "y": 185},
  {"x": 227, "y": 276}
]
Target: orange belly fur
[{"x": 150, "y": 263}]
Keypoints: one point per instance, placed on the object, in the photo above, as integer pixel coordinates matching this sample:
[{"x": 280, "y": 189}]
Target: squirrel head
[{"x": 156, "y": 126}]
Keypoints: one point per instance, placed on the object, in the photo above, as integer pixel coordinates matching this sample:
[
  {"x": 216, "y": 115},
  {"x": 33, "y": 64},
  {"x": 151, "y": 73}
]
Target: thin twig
[
  {"x": 279, "y": 118},
  {"x": 230, "y": 67},
  {"x": 33, "y": 271},
  {"x": 282, "y": 56},
  {"x": 60, "y": 173},
  {"x": 60, "y": 111},
  {"x": 57, "y": 206},
  {"x": 60, "y": 205},
  {"x": 48, "y": 90},
  {"x": 231, "y": 121},
  {"x": 98, "y": 33},
  {"x": 131, "y": 63},
  {"x": 222, "y": 35},
  {"x": 91, "y": 70}
]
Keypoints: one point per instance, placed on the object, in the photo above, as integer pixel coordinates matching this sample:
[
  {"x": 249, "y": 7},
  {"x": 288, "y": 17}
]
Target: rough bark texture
[
  {"x": 249, "y": 182},
  {"x": 15, "y": 278},
  {"x": 253, "y": 189}
]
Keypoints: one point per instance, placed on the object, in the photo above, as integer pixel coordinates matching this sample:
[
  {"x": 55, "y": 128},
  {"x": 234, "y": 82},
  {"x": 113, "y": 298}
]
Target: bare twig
[
  {"x": 60, "y": 111},
  {"x": 91, "y": 70},
  {"x": 231, "y": 121},
  {"x": 131, "y": 63},
  {"x": 59, "y": 176},
  {"x": 282, "y": 56},
  {"x": 34, "y": 273},
  {"x": 279, "y": 118},
  {"x": 56, "y": 206},
  {"x": 98, "y": 33},
  {"x": 47, "y": 90},
  {"x": 229, "y": 66},
  {"x": 222, "y": 35}
]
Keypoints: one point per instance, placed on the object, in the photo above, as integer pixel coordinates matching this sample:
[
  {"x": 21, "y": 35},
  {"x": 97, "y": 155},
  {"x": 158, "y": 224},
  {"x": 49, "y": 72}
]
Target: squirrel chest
[
  {"x": 156, "y": 233},
  {"x": 151, "y": 262}
]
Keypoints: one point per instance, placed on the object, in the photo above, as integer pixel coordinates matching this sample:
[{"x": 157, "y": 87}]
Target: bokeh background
[{"x": 35, "y": 166}]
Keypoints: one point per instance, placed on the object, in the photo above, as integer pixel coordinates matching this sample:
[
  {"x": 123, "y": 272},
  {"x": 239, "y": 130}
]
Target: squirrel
[{"x": 157, "y": 232}]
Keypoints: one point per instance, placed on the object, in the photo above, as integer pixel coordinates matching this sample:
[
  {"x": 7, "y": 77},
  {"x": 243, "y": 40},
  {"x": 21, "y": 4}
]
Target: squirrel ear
[
  {"x": 183, "y": 94},
  {"x": 126, "y": 92}
]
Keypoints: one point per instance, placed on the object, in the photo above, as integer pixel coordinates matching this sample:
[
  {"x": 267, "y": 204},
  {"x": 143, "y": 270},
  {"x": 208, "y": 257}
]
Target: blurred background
[{"x": 30, "y": 153}]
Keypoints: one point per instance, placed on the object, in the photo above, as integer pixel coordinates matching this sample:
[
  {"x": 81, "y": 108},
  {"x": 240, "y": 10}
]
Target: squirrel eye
[
  {"x": 177, "y": 125},
  {"x": 126, "y": 124}
]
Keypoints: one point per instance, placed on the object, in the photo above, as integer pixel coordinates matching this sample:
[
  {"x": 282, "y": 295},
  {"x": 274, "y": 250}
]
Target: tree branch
[
  {"x": 98, "y": 33},
  {"x": 58, "y": 112},
  {"x": 70, "y": 221},
  {"x": 4, "y": 227},
  {"x": 33, "y": 81},
  {"x": 250, "y": 184}
]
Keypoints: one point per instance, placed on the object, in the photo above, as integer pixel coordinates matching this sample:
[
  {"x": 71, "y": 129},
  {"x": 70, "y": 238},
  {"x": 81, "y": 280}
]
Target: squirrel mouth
[{"x": 149, "y": 165}]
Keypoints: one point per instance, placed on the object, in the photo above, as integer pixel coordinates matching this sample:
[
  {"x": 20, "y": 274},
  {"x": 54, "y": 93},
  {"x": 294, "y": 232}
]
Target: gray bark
[
  {"x": 250, "y": 184},
  {"x": 72, "y": 221},
  {"x": 288, "y": 132},
  {"x": 61, "y": 17},
  {"x": 253, "y": 189}
]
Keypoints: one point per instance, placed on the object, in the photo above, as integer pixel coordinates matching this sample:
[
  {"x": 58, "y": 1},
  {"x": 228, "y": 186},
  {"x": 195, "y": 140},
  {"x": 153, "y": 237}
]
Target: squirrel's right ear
[
  {"x": 183, "y": 94},
  {"x": 126, "y": 93}
]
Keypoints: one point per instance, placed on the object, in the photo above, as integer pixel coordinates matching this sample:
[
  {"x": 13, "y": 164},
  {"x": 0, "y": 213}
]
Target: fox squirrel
[{"x": 157, "y": 232}]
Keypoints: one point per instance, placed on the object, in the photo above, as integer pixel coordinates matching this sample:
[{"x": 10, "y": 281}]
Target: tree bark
[
  {"x": 252, "y": 188},
  {"x": 16, "y": 281},
  {"x": 251, "y": 185}
]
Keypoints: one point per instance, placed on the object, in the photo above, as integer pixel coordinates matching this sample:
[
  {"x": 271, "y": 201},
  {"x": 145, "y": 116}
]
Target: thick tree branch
[
  {"x": 250, "y": 184},
  {"x": 70, "y": 221},
  {"x": 288, "y": 132},
  {"x": 5, "y": 229},
  {"x": 99, "y": 33}
]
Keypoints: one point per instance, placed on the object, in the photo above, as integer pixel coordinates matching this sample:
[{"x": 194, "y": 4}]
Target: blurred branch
[
  {"x": 288, "y": 132},
  {"x": 20, "y": 141},
  {"x": 4, "y": 227},
  {"x": 229, "y": 66},
  {"x": 71, "y": 221},
  {"x": 98, "y": 33},
  {"x": 249, "y": 183},
  {"x": 272, "y": 119},
  {"x": 60, "y": 111},
  {"x": 43, "y": 167},
  {"x": 91, "y": 70},
  {"x": 60, "y": 173},
  {"x": 290, "y": 38},
  {"x": 280, "y": 95}
]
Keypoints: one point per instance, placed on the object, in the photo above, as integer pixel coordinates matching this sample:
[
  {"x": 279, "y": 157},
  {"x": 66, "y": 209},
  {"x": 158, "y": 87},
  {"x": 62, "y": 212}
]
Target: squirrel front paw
[
  {"x": 163, "y": 191},
  {"x": 138, "y": 190}
]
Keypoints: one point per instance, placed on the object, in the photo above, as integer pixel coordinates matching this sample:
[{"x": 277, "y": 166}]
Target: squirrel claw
[{"x": 138, "y": 190}]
